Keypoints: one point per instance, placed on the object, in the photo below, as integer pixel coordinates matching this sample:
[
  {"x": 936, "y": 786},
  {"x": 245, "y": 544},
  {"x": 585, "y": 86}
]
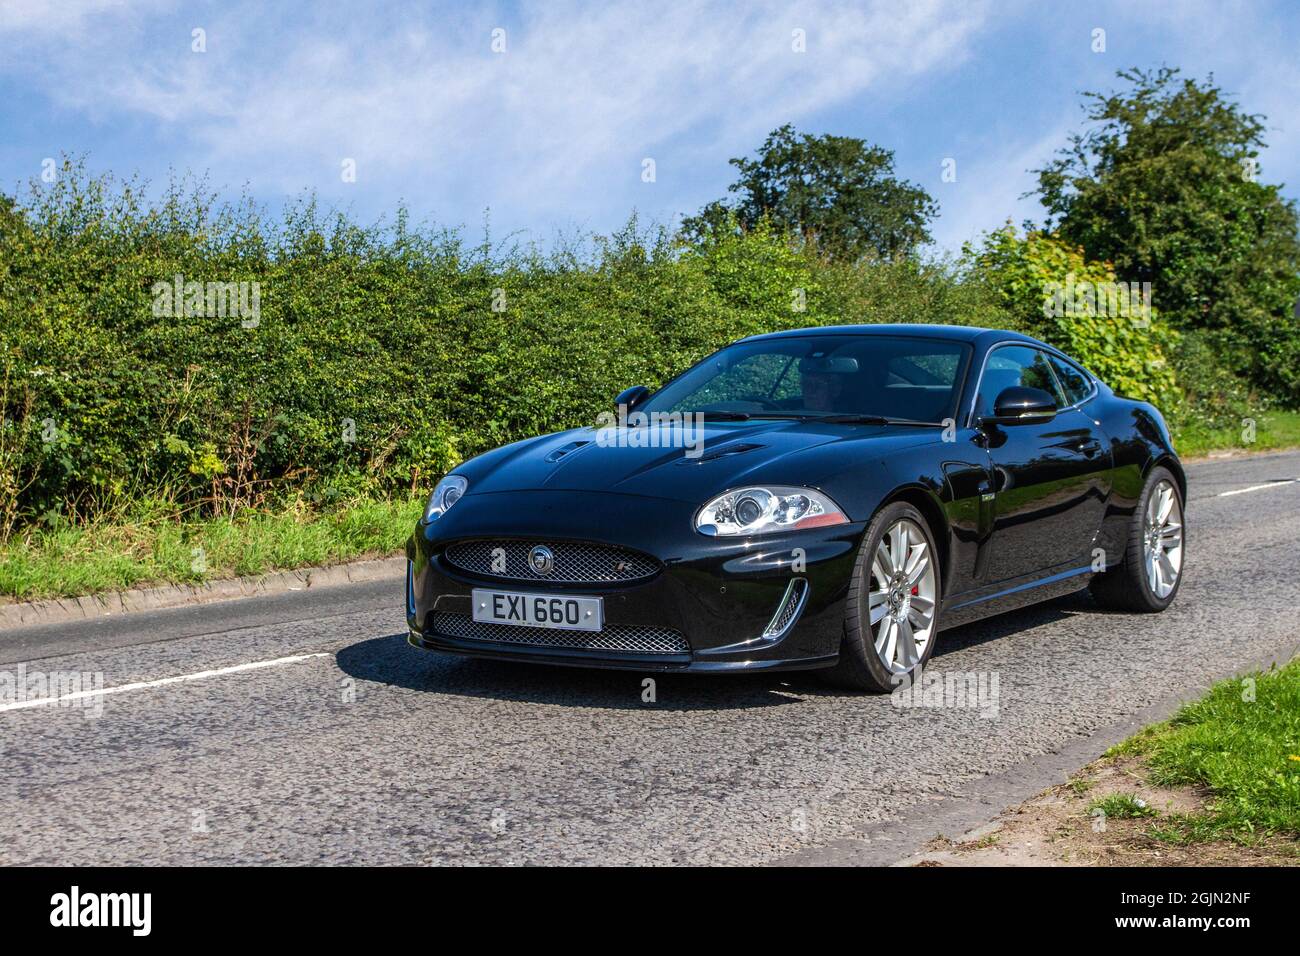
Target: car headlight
[
  {"x": 766, "y": 510},
  {"x": 446, "y": 494}
]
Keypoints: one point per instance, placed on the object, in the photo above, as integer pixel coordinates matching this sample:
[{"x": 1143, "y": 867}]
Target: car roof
[{"x": 960, "y": 333}]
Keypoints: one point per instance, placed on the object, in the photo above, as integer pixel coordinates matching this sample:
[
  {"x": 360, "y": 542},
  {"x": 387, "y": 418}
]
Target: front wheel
[
  {"x": 892, "y": 612},
  {"x": 1148, "y": 577}
]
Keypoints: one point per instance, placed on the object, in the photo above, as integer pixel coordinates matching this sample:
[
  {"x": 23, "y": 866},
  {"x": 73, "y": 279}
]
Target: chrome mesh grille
[
  {"x": 575, "y": 562},
  {"x": 627, "y": 638},
  {"x": 789, "y": 608}
]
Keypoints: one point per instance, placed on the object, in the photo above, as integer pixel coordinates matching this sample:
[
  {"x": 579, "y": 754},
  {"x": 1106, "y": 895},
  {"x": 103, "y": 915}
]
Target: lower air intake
[{"x": 619, "y": 638}]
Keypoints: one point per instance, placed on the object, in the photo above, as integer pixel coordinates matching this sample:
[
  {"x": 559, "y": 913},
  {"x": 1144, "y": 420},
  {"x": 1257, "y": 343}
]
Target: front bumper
[{"x": 719, "y": 594}]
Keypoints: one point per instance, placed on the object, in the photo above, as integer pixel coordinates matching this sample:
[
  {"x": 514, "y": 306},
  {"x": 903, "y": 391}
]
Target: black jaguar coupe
[{"x": 821, "y": 498}]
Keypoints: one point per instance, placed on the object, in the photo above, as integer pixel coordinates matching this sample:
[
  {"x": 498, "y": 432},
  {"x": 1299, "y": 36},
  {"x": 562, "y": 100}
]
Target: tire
[
  {"x": 1129, "y": 585},
  {"x": 902, "y": 600}
]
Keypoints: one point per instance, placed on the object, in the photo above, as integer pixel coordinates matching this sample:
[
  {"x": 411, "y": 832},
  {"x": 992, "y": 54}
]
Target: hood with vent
[{"x": 728, "y": 454}]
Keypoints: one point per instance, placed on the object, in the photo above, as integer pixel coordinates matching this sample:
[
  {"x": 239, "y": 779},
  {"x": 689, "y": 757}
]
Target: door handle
[{"x": 1090, "y": 447}]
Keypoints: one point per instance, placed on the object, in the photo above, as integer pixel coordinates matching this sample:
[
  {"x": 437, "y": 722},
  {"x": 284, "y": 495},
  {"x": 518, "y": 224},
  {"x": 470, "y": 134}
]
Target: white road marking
[
  {"x": 160, "y": 682},
  {"x": 1271, "y": 484}
]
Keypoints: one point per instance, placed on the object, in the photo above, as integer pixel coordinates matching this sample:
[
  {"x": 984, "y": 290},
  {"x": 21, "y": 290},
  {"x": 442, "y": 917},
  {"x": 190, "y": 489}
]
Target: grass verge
[
  {"x": 1218, "y": 784},
  {"x": 151, "y": 546},
  {"x": 1241, "y": 743},
  {"x": 1274, "y": 431}
]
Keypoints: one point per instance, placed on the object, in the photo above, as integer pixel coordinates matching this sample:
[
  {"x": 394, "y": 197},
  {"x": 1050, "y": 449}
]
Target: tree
[
  {"x": 835, "y": 191},
  {"x": 1165, "y": 187}
]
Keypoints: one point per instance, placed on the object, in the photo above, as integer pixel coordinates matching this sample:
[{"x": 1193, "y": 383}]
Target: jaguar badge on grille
[{"x": 541, "y": 560}]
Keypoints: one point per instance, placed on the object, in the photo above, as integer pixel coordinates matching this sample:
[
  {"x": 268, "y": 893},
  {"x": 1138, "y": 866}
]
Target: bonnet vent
[
  {"x": 722, "y": 451},
  {"x": 565, "y": 450}
]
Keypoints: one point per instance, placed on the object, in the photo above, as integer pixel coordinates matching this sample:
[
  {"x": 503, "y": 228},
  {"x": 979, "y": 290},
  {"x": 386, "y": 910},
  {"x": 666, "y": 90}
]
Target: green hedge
[
  {"x": 383, "y": 355},
  {"x": 432, "y": 349},
  {"x": 1051, "y": 290}
]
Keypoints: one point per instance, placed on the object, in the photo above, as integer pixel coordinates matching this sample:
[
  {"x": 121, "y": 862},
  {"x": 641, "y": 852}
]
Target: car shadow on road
[
  {"x": 390, "y": 660},
  {"x": 1036, "y": 615}
]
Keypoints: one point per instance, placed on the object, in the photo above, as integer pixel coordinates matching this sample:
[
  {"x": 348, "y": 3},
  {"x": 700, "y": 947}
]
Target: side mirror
[
  {"x": 1021, "y": 405},
  {"x": 632, "y": 397}
]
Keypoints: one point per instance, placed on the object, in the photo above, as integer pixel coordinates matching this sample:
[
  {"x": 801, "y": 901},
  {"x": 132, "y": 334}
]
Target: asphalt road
[{"x": 348, "y": 746}]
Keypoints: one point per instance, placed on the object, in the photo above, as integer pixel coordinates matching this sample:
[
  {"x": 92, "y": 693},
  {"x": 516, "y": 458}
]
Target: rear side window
[{"x": 1076, "y": 385}]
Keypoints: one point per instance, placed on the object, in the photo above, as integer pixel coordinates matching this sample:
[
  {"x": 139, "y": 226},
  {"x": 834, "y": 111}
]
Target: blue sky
[{"x": 551, "y": 134}]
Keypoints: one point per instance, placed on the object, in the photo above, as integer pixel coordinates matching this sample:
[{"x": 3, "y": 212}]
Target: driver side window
[
  {"x": 751, "y": 381},
  {"x": 1016, "y": 365}
]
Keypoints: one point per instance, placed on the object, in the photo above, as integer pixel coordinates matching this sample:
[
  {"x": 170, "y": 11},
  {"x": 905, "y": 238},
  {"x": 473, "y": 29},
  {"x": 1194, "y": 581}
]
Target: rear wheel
[
  {"x": 892, "y": 611},
  {"x": 1147, "y": 579}
]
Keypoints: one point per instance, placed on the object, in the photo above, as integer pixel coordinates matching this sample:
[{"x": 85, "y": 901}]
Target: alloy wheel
[
  {"x": 902, "y": 596},
  {"x": 1162, "y": 539}
]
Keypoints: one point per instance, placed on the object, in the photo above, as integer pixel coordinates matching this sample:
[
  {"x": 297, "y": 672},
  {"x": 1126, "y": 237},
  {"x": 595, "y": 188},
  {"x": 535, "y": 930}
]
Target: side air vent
[{"x": 788, "y": 611}]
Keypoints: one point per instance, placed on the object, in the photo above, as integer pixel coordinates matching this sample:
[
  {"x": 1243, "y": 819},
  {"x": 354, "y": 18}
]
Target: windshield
[{"x": 887, "y": 376}]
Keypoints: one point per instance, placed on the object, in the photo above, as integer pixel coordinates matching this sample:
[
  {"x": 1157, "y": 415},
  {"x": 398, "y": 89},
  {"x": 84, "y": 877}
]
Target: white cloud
[
  {"x": 419, "y": 100},
  {"x": 60, "y": 17},
  {"x": 989, "y": 188},
  {"x": 553, "y": 132},
  {"x": 1253, "y": 61},
  {"x": 1239, "y": 43}
]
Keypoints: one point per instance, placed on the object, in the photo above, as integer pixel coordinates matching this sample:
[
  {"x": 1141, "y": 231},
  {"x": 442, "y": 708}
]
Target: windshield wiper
[
  {"x": 837, "y": 419},
  {"x": 719, "y": 416},
  {"x": 727, "y": 416},
  {"x": 872, "y": 420},
  {"x": 849, "y": 419}
]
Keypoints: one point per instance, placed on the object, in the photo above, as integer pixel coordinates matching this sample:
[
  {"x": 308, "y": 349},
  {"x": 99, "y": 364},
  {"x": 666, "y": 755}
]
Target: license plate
[{"x": 539, "y": 610}]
